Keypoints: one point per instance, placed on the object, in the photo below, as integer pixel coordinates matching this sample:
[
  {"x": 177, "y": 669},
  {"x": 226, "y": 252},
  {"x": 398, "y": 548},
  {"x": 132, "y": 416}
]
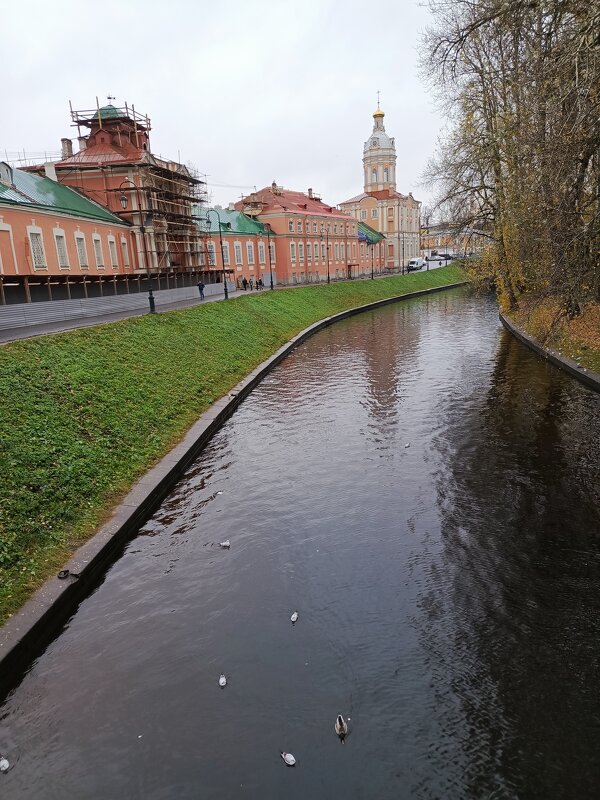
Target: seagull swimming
[
  {"x": 225, "y": 545},
  {"x": 4, "y": 764},
  {"x": 288, "y": 758},
  {"x": 294, "y": 617},
  {"x": 341, "y": 727},
  {"x": 407, "y": 444},
  {"x": 222, "y": 681}
]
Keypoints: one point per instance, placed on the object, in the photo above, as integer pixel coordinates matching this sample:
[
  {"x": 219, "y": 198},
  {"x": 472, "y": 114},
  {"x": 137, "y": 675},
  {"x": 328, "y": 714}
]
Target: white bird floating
[
  {"x": 341, "y": 727},
  {"x": 294, "y": 617},
  {"x": 407, "y": 444},
  {"x": 222, "y": 681},
  {"x": 288, "y": 758},
  {"x": 225, "y": 545},
  {"x": 4, "y": 764}
]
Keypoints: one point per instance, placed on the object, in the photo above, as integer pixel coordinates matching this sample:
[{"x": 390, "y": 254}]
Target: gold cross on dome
[{"x": 378, "y": 93}]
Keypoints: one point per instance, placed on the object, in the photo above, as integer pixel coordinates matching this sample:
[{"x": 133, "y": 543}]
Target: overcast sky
[{"x": 248, "y": 92}]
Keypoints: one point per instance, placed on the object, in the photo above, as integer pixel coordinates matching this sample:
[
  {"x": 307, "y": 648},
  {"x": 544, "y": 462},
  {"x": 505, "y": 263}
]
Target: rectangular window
[
  {"x": 308, "y": 252},
  {"x": 37, "y": 250},
  {"x": 238, "y": 253},
  {"x": 391, "y": 213},
  {"x": 363, "y": 214},
  {"x": 112, "y": 249},
  {"x": 61, "y": 249},
  {"x": 226, "y": 254},
  {"x": 125, "y": 252},
  {"x": 292, "y": 251},
  {"x": 98, "y": 255},
  {"x": 323, "y": 251},
  {"x": 81, "y": 251},
  {"x": 314, "y": 227},
  {"x": 316, "y": 251},
  {"x": 250, "y": 252},
  {"x": 301, "y": 251},
  {"x": 342, "y": 250},
  {"x": 212, "y": 259},
  {"x": 261, "y": 252},
  {"x": 373, "y": 213},
  {"x": 272, "y": 251},
  {"x": 291, "y": 226},
  {"x": 335, "y": 228},
  {"x": 336, "y": 251},
  {"x": 299, "y": 227}
]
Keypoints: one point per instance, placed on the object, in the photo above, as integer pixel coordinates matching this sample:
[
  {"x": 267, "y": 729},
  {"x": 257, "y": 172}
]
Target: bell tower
[{"x": 379, "y": 157}]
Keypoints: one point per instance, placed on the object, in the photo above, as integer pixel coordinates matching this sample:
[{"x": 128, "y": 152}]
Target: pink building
[
  {"x": 57, "y": 244},
  {"x": 313, "y": 241}
]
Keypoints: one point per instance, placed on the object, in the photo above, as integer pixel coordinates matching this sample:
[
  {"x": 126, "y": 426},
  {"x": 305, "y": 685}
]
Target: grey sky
[{"x": 249, "y": 92}]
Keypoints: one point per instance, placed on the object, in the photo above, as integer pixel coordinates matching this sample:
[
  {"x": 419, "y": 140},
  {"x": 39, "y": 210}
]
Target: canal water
[{"x": 425, "y": 492}]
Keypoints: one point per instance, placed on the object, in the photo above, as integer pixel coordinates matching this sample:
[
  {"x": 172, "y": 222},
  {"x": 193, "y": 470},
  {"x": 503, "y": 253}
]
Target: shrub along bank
[{"x": 86, "y": 412}]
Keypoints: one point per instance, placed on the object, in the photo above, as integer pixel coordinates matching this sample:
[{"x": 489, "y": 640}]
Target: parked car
[{"x": 415, "y": 263}]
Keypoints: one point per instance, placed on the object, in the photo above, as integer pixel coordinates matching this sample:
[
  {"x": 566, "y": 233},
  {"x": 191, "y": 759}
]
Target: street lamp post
[
  {"x": 372, "y": 267},
  {"x": 325, "y": 233},
  {"x": 124, "y": 202},
  {"x": 268, "y": 230},
  {"x": 208, "y": 210}
]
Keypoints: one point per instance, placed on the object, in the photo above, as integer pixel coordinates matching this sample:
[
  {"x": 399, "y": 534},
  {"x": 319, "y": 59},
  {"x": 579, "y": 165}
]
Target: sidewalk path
[{"x": 26, "y": 332}]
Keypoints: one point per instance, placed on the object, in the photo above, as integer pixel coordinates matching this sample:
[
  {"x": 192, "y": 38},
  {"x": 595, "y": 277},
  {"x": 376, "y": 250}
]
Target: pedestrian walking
[
  {"x": 251, "y": 283},
  {"x": 201, "y": 289},
  {"x": 244, "y": 283},
  {"x": 261, "y": 285}
]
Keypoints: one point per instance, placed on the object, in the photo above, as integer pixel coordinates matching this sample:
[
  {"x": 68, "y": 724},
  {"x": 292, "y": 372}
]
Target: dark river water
[{"x": 425, "y": 492}]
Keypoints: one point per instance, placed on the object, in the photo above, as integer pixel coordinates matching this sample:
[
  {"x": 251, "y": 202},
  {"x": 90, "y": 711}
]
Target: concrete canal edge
[
  {"x": 587, "y": 376},
  {"x": 29, "y": 631}
]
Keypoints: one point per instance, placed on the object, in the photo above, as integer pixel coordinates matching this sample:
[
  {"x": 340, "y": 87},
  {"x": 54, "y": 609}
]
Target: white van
[{"x": 415, "y": 263}]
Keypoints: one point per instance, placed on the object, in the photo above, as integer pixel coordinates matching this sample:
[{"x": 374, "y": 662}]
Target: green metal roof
[
  {"x": 370, "y": 234},
  {"x": 231, "y": 221},
  {"x": 33, "y": 191},
  {"x": 108, "y": 112}
]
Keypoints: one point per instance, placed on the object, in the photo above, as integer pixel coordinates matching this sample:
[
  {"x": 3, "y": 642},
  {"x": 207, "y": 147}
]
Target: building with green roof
[{"x": 56, "y": 243}]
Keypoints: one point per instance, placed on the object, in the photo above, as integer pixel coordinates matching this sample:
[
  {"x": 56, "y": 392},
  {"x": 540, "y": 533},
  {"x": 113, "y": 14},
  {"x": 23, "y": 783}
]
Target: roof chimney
[
  {"x": 67, "y": 148},
  {"x": 49, "y": 170},
  {"x": 310, "y": 194},
  {"x": 82, "y": 142},
  {"x": 274, "y": 186}
]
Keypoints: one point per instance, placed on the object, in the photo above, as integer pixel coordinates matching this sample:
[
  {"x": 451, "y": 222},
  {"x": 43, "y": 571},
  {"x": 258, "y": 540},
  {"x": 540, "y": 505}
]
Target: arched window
[
  {"x": 374, "y": 176},
  {"x": 385, "y": 174}
]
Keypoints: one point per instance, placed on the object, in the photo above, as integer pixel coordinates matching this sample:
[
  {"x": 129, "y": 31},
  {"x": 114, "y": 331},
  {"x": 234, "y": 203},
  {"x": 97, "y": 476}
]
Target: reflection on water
[{"x": 447, "y": 589}]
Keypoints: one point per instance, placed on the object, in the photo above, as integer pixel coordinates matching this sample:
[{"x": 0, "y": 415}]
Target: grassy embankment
[
  {"x": 86, "y": 412},
  {"x": 577, "y": 338}
]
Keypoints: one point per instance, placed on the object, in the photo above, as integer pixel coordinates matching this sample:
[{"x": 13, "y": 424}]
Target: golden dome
[{"x": 378, "y": 113}]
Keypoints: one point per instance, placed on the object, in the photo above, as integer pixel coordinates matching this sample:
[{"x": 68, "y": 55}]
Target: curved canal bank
[
  {"x": 34, "y": 624},
  {"x": 581, "y": 373},
  {"x": 446, "y": 590}
]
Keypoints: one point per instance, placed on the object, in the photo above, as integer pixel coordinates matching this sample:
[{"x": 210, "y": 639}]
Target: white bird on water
[
  {"x": 4, "y": 764},
  {"x": 288, "y": 758},
  {"x": 222, "y": 681},
  {"x": 225, "y": 545},
  {"x": 407, "y": 444},
  {"x": 294, "y": 617},
  {"x": 341, "y": 727}
]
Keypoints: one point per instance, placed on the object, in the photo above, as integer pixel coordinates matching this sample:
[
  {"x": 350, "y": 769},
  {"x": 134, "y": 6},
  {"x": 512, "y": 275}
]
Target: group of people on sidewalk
[{"x": 253, "y": 284}]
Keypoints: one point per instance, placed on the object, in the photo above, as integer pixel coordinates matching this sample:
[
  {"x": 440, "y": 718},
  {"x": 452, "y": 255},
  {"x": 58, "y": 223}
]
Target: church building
[{"x": 395, "y": 215}]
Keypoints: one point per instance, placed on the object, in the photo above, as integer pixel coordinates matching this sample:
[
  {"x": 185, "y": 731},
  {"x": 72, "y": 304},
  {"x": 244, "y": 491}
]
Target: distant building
[
  {"x": 313, "y": 240},
  {"x": 395, "y": 215},
  {"x": 445, "y": 238},
  {"x": 115, "y": 167},
  {"x": 57, "y": 244}
]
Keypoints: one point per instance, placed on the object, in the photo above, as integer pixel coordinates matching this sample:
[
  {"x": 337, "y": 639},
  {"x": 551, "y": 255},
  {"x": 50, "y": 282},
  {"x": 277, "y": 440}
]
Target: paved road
[{"x": 28, "y": 331}]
